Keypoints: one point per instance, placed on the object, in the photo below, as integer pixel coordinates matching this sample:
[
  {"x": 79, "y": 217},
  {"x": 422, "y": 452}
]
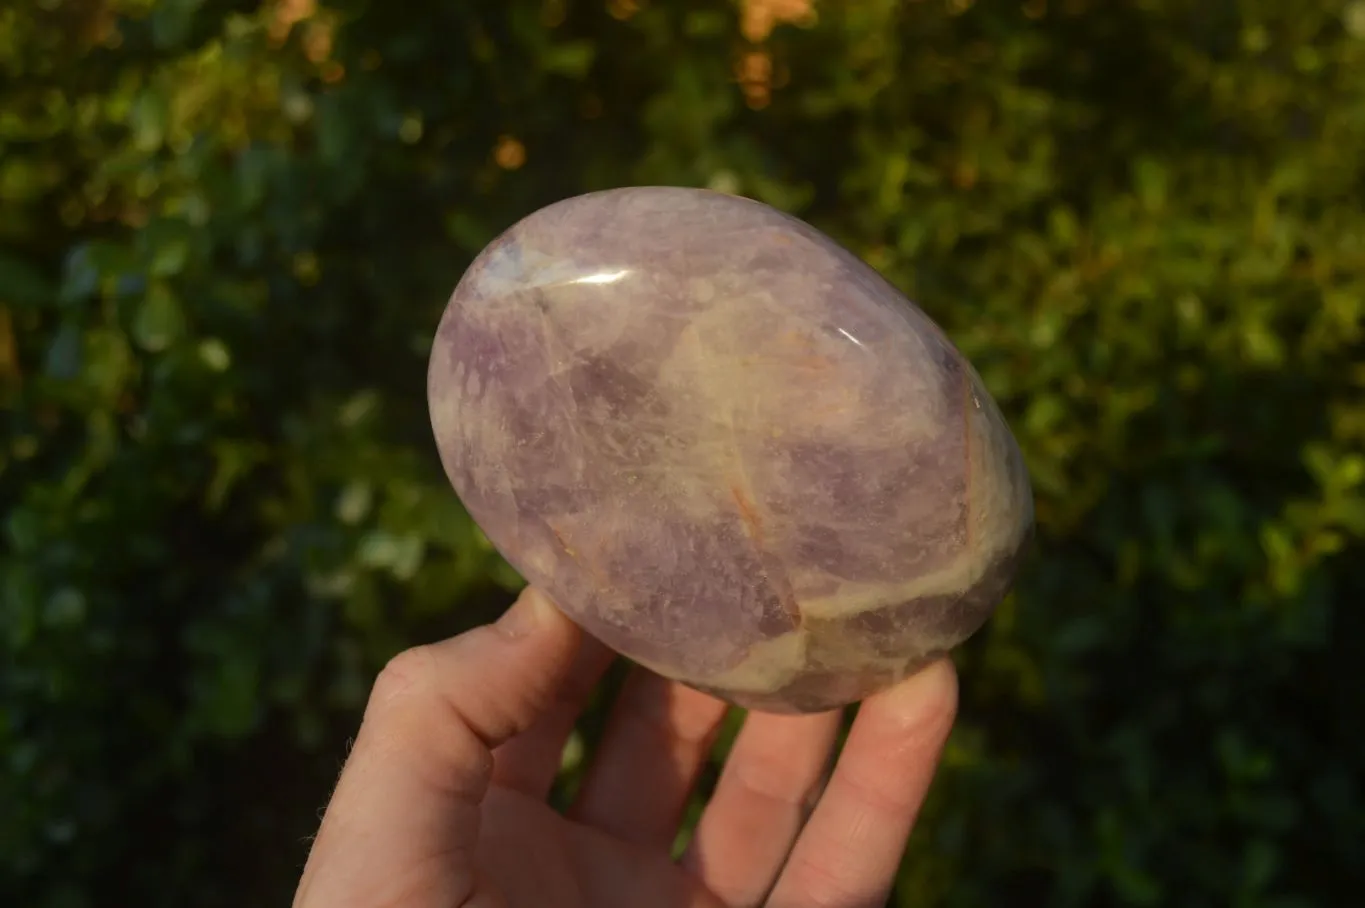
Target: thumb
[{"x": 404, "y": 819}]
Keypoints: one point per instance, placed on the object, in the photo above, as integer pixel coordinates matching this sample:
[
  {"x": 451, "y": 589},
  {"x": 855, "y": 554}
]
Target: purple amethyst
[{"x": 726, "y": 446}]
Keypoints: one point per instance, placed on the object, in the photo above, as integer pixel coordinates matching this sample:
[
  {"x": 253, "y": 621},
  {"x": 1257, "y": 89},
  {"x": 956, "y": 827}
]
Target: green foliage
[{"x": 226, "y": 232}]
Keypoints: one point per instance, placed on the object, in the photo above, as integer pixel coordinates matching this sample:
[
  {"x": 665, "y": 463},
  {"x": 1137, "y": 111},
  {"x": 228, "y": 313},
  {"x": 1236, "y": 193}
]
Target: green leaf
[
  {"x": 159, "y": 320},
  {"x": 170, "y": 257},
  {"x": 570, "y": 58}
]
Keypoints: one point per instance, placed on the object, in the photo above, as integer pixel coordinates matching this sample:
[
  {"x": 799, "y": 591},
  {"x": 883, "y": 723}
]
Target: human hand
[{"x": 443, "y": 799}]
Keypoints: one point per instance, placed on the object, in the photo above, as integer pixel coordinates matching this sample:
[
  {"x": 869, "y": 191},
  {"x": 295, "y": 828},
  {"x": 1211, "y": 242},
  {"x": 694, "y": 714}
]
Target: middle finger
[{"x": 657, "y": 737}]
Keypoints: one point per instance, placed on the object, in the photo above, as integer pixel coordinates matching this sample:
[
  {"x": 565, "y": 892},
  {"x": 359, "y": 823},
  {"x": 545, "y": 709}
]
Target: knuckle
[
  {"x": 824, "y": 883},
  {"x": 408, "y": 673},
  {"x": 882, "y": 797}
]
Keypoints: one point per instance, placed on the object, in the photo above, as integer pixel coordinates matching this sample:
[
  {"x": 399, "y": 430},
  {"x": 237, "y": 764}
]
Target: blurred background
[{"x": 227, "y": 230}]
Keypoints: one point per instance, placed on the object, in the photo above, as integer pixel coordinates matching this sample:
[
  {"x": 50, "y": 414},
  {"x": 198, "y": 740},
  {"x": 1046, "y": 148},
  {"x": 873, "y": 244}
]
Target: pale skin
[{"x": 442, "y": 802}]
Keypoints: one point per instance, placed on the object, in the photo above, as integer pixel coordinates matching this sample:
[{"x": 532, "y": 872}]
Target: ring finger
[
  {"x": 851, "y": 847},
  {"x": 769, "y": 785}
]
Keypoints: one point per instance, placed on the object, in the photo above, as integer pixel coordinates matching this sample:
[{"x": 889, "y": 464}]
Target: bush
[{"x": 226, "y": 232}]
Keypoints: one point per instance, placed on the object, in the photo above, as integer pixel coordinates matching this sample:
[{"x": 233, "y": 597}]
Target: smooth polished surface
[{"x": 726, "y": 446}]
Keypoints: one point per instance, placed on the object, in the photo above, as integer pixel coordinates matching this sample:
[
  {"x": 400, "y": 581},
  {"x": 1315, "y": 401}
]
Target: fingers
[
  {"x": 770, "y": 782},
  {"x": 540, "y": 866},
  {"x": 530, "y": 761},
  {"x": 657, "y": 737},
  {"x": 851, "y": 848},
  {"x": 620, "y": 875},
  {"x": 405, "y": 815}
]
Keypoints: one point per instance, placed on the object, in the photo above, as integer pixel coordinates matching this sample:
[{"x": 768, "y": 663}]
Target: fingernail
[{"x": 530, "y": 613}]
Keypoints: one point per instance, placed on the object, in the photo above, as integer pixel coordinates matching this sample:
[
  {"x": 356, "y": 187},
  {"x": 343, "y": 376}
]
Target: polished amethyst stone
[{"x": 726, "y": 446}]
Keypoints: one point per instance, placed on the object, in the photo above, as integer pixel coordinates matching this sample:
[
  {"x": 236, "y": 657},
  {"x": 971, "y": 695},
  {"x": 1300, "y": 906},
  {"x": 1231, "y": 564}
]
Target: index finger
[
  {"x": 851, "y": 848},
  {"x": 404, "y": 821}
]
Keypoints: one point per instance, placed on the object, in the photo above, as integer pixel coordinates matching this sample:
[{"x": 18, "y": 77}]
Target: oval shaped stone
[{"x": 726, "y": 446}]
